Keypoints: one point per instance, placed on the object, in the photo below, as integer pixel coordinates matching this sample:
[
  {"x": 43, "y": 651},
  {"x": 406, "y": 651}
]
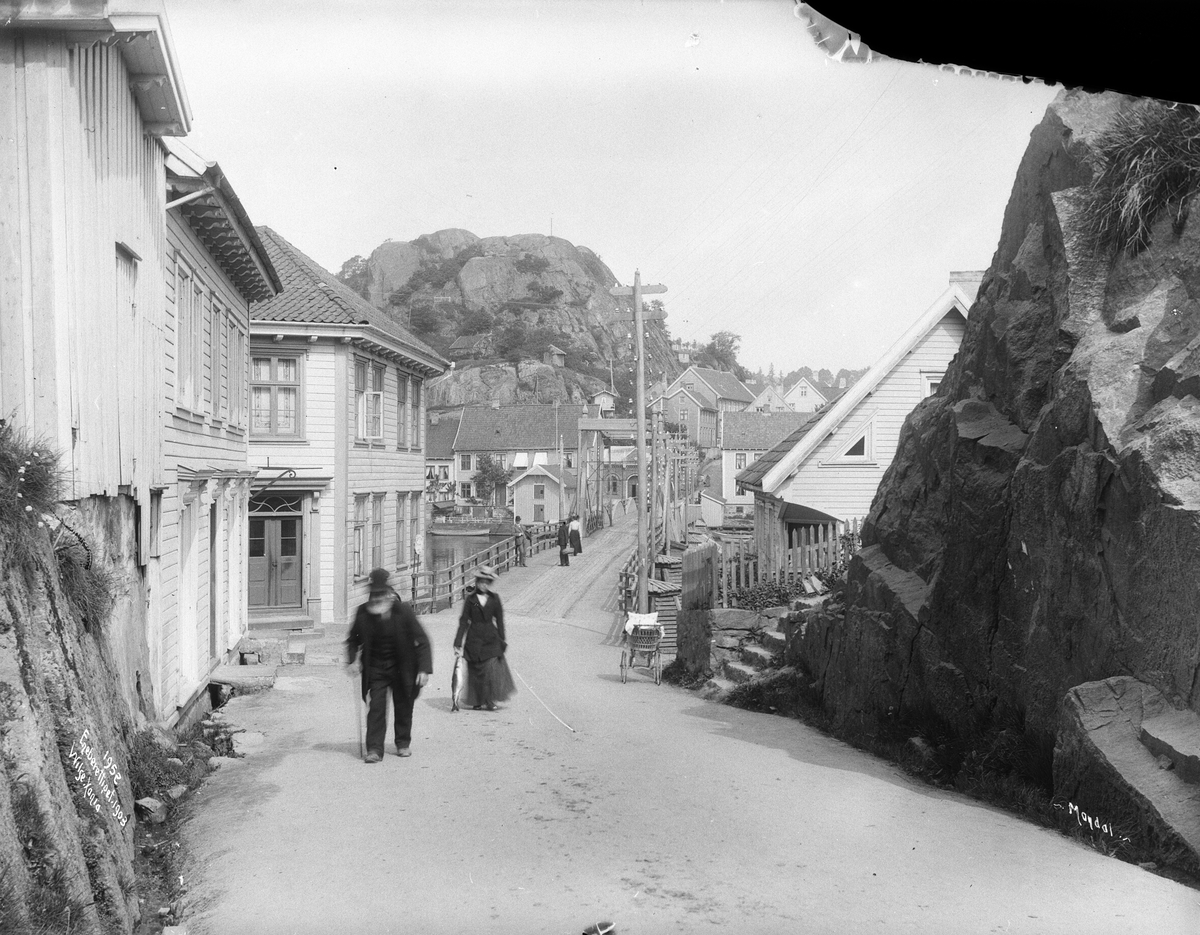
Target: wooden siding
[
  {"x": 79, "y": 177},
  {"x": 845, "y": 489},
  {"x": 729, "y": 473}
]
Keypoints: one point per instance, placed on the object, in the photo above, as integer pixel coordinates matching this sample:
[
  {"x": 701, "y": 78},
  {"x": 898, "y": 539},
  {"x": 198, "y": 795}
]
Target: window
[
  {"x": 465, "y": 490},
  {"x": 539, "y": 491},
  {"x": 368, "y": 399},
  {"x": 739, "y": 460},
  {"x": 569, "y": 459},
  {"x": 414, "y": 523},
  {"x": 403, "y": 415},
  {"x": 741, "y": 491},
  {"x": 189, "y": 337},
  {"x": 275, "y": 395},
  {"x": 443, "y": 472},
  {"x": 418, "y": 417},
  {"x": 360, "y": 535},
  {"x": 464, "y": 462},
  {"x": 502, "y": 460},
  {"x": 804, "y": 391},
  {"x": 221, "y": 347},
  {"x": 377, "y": 531},
  {"x": 401, "y": 529},
  {"x": 930, "y": 382},
  {"x": 859, "y": 447},
  {"x": 237, "y": 376}
]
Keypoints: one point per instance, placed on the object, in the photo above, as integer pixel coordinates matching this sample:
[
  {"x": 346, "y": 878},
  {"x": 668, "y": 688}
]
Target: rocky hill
[
  {"x": 1029, "y": 561},
  {"x": 525, "y": 292}
]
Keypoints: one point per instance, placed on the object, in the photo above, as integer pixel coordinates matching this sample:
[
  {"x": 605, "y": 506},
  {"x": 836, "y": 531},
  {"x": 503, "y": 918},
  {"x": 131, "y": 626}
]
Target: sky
[{"x": 813, "y": 207}]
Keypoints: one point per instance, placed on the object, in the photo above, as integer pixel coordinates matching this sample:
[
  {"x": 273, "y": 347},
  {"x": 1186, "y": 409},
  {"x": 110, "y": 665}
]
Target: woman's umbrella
[{"x": 458, "y": 680}]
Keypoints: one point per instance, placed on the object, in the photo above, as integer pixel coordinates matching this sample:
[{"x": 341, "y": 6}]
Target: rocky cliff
[
  {"x": 1039, "y": 527},
  {"x": 452, "y": 283}
]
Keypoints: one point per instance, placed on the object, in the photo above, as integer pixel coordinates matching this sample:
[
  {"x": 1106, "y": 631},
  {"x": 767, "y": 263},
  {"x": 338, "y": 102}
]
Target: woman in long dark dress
[{"x": 480, "y": 636}]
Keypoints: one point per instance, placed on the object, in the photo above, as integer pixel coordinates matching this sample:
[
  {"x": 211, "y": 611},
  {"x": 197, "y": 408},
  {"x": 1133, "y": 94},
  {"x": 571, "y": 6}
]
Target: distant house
[
  {"x": 832, "y": 465},
  {"x": 693, "y": 410},
  {"x": 712, "y": 509},
  {"x": 728, "y": 392},
  {"x": 536, "y": 493},
  {"x": 471, "y": 346},
  {"x": 606, "y": 400},
  {"x": 745, "y": 437},
  {"x": 440, "y": 477},
  {"x": 337, "y": 434},
  {"x": 804, "y": 396},
  {"x": 770, "y": 399},
  {"x": 516, "y": 438},
  {"x": 555, "y": 356}
]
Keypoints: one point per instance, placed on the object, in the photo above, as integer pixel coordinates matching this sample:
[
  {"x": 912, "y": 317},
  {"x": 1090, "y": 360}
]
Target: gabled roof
[
  {"x": 439, "y": 438},
  {"x": 313, "y": 294},
  {"x": 697, "y": 395},
  {"x": 215, "y": 214},
  {"x": 554, "y": 349},
  {"x": 769, "y": 393},
  {"x": 518, "y": 428},
  {"x": 723, "y": 385},
  {"x": 753, "y": 474},
  {"x": 551, "y": 471},
  {"x": 772, "y": 470},
  {"x": 822, "y": 391},
  {"x": 758, "y": 431}
]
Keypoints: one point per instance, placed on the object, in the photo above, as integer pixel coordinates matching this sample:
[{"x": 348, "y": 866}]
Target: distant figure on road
[
  {"x": 395, "y": 656},
  {"x": 481, "y": 638},
  {"x": 522, "y": 536},
  {"x": 564, "y": 543},
  {"x": 575, "y": 529}
]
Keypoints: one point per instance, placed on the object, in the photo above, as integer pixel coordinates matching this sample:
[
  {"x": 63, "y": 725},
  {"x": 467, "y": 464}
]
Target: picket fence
[{"x": 824, "y": 549}]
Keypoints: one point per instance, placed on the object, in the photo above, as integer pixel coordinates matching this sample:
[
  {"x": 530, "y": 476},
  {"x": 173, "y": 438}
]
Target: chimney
[{"x": 842, "y": 383}]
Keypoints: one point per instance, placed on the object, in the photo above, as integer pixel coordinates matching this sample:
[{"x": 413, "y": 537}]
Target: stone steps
[
  {"x": 1175, "y": 735},
  {"x": 757, "y": 657},
  {"x": 739, "y": 672},
  {"x": 774, "y": 640}
]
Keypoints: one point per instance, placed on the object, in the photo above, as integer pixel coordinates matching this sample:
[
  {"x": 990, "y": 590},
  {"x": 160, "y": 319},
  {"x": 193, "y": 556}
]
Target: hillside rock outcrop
[
  {"x": 545, "y": 282},
  {"x": 1039, "y": 527}
]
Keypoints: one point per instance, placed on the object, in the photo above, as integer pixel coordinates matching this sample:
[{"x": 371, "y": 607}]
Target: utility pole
[
  {"x": 654, "y": 477},
  {"x": 639, "y": 329}
]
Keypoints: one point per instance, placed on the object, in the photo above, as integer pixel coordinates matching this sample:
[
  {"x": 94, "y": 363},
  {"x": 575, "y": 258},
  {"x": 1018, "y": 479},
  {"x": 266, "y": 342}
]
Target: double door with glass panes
[{"x": 276, "y": 546}]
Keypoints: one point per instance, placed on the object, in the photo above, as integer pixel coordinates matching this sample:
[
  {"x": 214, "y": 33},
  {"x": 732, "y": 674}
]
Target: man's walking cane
[{"x": 355, "y": 684}]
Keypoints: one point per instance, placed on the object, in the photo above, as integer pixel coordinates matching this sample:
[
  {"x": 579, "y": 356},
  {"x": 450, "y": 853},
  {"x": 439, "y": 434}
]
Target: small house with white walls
[
  {"x": 832, "y": 465},
  {"x": 544, "y": 493},
  {"x": 804, "y": 396},
  {"x": 745, "y": 437}
]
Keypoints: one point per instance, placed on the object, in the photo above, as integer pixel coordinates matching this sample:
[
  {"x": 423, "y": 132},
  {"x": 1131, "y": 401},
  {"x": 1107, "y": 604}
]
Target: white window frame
[
  {"x": 360, "y": 533},
  {"x": 864, "y": 429},
  {"x": 928, "y": 378},
  {"x": 404, "y": 413},
  {"x": 274, "y": 384},
  {"x": 368, "y": 398},
  {"x": 464, "y": 462}
]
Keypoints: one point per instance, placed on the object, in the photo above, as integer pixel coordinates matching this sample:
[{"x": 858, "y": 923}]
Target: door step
[{"x": 285, "y": 620}]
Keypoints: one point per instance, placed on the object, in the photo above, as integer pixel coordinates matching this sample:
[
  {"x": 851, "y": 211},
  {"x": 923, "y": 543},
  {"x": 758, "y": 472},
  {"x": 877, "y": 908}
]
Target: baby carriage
[{"x": 643, "y": 637}]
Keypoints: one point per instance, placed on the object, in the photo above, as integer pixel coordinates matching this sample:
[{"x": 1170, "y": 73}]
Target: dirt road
[{"x": 650, "y": 808}]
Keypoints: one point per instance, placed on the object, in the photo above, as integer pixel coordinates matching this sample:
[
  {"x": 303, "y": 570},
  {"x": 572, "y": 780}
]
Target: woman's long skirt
[{"x": 488, "y": 682}]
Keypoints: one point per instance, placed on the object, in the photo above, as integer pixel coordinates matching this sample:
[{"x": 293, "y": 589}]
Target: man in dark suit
[
  {"x": 395, "y": 656},
  {"x": 564, "y": 544}
]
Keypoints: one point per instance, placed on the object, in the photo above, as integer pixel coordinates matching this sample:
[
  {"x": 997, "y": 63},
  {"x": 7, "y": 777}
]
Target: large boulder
[{"x": 1039, "y": 526}]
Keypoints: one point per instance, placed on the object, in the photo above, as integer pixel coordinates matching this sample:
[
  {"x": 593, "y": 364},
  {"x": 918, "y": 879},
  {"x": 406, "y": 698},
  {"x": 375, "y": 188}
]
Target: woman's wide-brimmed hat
[
  {"x": 378, "y": 581},
  {"x": 485, "y": 573}
]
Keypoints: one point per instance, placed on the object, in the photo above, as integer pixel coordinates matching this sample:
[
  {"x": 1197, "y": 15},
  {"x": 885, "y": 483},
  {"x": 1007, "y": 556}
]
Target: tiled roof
[
  {"x": 553, "y": 471},
  {"x": 755, "y": 472},
  {"x": 312, "y": 293},
  {"x": 439, "y": 438},
  {"x": 518, "y": 428},
  {"x": 726, "y": 384},
  {"x": 758, "y": 431}
]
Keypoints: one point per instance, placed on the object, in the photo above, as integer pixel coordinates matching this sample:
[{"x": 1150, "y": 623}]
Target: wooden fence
[
  {"x": 433, "y": 590},
  {"x": 826, "y": 548}
]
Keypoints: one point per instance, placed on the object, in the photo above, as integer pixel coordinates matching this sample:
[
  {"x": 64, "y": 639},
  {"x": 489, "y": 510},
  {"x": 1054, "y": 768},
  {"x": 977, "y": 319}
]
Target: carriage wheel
[{"x": 623, "y": 667}]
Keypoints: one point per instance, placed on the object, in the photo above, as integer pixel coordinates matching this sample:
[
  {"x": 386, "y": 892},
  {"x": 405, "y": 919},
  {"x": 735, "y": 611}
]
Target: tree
[
  {"x": 477, "y": 321},
  {"x": 425, "y": 320},
  {"x": 489, "y": 477},
  {"x": 355, "y": 273},
  {"x": 824, "y": 377},
  {"x": 510, "y": 344}
]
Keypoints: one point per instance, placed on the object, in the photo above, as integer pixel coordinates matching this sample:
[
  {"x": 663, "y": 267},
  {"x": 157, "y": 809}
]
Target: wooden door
[{"x": 275, "y": 561}]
